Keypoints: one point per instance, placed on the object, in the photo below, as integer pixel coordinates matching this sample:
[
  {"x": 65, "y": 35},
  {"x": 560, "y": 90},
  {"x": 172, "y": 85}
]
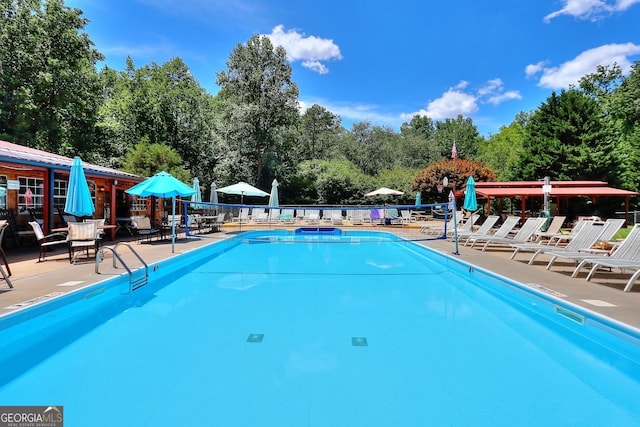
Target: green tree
[
  {"x": 331, "y": 182},
  {"x": 162, "y": 104},
  {"x": 399, "y": 178},
  {"x": 146, "y": 159},
  {"x": 48, "y": 81},
  {"x": 261, "y": 101},
  {"x": 463, "y": 132},
  {"x": 371, "y": 148},
  {"x": 418, "y": 142},
  {"x": 319, "y": 134},
  {"x": 625, "y": 112},
  {"x": 565, "y": 140},
  {"x": 502, "y": 151}
]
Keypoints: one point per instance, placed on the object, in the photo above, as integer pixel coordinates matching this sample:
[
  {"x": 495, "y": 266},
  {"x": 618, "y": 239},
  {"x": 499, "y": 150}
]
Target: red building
[{"x": 36, "y": 181}]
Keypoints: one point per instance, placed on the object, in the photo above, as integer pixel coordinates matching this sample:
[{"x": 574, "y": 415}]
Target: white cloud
[
  {"x": 571, "y": 71},
  {"x": 592, "y": 10},
  {"x": 533, "y": 69},
  {"x": 490, "y": 87},
  {"x": 502, "y": 97},
  {"x": 460, "y": 101},
  {"x": 316, "y": 66},
  {"x": 310, "y": 50}
]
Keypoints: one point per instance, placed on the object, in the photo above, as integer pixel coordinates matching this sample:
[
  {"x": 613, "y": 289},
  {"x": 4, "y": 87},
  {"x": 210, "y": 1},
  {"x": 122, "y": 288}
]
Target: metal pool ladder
[{"x": 134, "y": 283}]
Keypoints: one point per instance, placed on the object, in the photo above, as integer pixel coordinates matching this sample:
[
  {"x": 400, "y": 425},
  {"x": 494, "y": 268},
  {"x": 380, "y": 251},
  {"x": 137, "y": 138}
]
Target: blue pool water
[{"x": 358, "y": 330}]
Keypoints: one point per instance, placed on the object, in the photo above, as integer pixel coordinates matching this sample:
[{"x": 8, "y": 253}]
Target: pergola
[{"x": 559, "y": 189}]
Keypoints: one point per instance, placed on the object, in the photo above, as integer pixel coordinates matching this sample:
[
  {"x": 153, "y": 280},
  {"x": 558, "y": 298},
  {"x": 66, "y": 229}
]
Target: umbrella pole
[
  {"x": 240, "y": 214},
  {"x": 173, "y": 224},
  {"x": 455, "y": 227}
]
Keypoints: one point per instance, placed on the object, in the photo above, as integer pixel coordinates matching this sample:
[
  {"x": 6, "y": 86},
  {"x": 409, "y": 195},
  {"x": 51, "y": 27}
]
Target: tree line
[{"x": 154, "y": 117}]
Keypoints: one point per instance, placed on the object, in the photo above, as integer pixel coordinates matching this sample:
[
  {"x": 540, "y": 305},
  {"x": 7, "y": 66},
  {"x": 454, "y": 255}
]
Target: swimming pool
[{"x": 349, "y": 329}]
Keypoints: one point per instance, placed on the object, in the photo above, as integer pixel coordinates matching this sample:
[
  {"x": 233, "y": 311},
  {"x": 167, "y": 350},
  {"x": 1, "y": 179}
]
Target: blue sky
[{"x": 385, "y": 61}]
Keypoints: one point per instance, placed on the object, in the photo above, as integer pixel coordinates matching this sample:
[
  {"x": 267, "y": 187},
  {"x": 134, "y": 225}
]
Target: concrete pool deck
[{"x": 34, "y": 281}]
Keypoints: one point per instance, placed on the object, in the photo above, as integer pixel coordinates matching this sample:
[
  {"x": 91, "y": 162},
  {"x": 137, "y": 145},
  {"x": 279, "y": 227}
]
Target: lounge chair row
[
  {"x": 317, "y": 216},
  {"x": 580, "y": 247}
]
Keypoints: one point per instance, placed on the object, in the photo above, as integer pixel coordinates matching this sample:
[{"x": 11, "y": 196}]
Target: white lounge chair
[
  {"x": 406, "y": 216},
  {"x": 612, "y": 227},
  {"x": 243, "y": 216},
  {"x": 626, "y": 256},
  {"x": 484, "y": 229},
  {"x": 335, "y": 216},
  {"x": 530, "y": 226},
  {"x": 312, "y": 216},
  {"x": 439, "y": 229},
  {"x": 588, "y": 235},
  {"x": 507, "y": 227},
  {"x": 552, "y": 230},
  {"x": 558, "y": 238}
]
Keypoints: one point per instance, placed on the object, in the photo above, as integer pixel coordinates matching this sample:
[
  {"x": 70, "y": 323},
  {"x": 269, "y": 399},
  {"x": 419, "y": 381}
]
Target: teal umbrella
[
  {"x": 470, "y": 200},
  {"x": 197, "y": 196},
  {"x": 79, "y": 202},
  {"x": 163, "y": 185},
  {"x": 418, "y": 198}
]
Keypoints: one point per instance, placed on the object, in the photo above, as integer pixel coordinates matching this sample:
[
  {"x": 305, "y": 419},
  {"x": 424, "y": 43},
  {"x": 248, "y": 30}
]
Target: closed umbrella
[
  {"x": 418, "y": 198},
  {"x": 452, "y": 206},
  {"x": 273, "y": 197},
  {"x": 470, "y": 200},
  {"x": 213, "y": 197},
  {"x": 78, "y": 202},
  {"x": 197, "y": 195},
  {"x": 163, "y": 185}
]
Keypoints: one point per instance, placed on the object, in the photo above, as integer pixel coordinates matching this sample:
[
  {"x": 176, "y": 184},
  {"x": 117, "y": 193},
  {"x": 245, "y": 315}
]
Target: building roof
[
  {"x": 14, "y": 153},
  {"x": 558, "y": 188}
]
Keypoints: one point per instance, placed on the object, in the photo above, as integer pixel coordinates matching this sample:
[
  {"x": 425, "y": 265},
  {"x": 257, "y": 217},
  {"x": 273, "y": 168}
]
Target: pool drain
[
  {"x": 359, "y": 341},
  {"x": 255, "y": 338}
]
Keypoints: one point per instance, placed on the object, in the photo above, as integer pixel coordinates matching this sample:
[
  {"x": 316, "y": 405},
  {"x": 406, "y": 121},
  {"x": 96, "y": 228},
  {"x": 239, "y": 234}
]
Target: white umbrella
[
  {"x": 384, "y": 191},
  {"x": 242, "y": 189}
]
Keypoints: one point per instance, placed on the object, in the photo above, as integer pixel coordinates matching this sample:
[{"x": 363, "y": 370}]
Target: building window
[
  {"x": 139, "y": 204},
  {"x": 3, "y": 192},
  {"x": 59, "y": 193},
  {"x": 61, "y": 189},
  {"x": 31, "y": 193}
]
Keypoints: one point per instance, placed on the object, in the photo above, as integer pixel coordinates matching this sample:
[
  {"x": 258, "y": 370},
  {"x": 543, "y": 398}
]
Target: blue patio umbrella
[
  {"x": 197, "y": 196},
  {"x": 78, "y": 202},
  {"x": 418, "y": 198},
  {"x": 273, "y": 197},
  {"x": 163, "y": 185},
  {"x": 470, "y": 200}
]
